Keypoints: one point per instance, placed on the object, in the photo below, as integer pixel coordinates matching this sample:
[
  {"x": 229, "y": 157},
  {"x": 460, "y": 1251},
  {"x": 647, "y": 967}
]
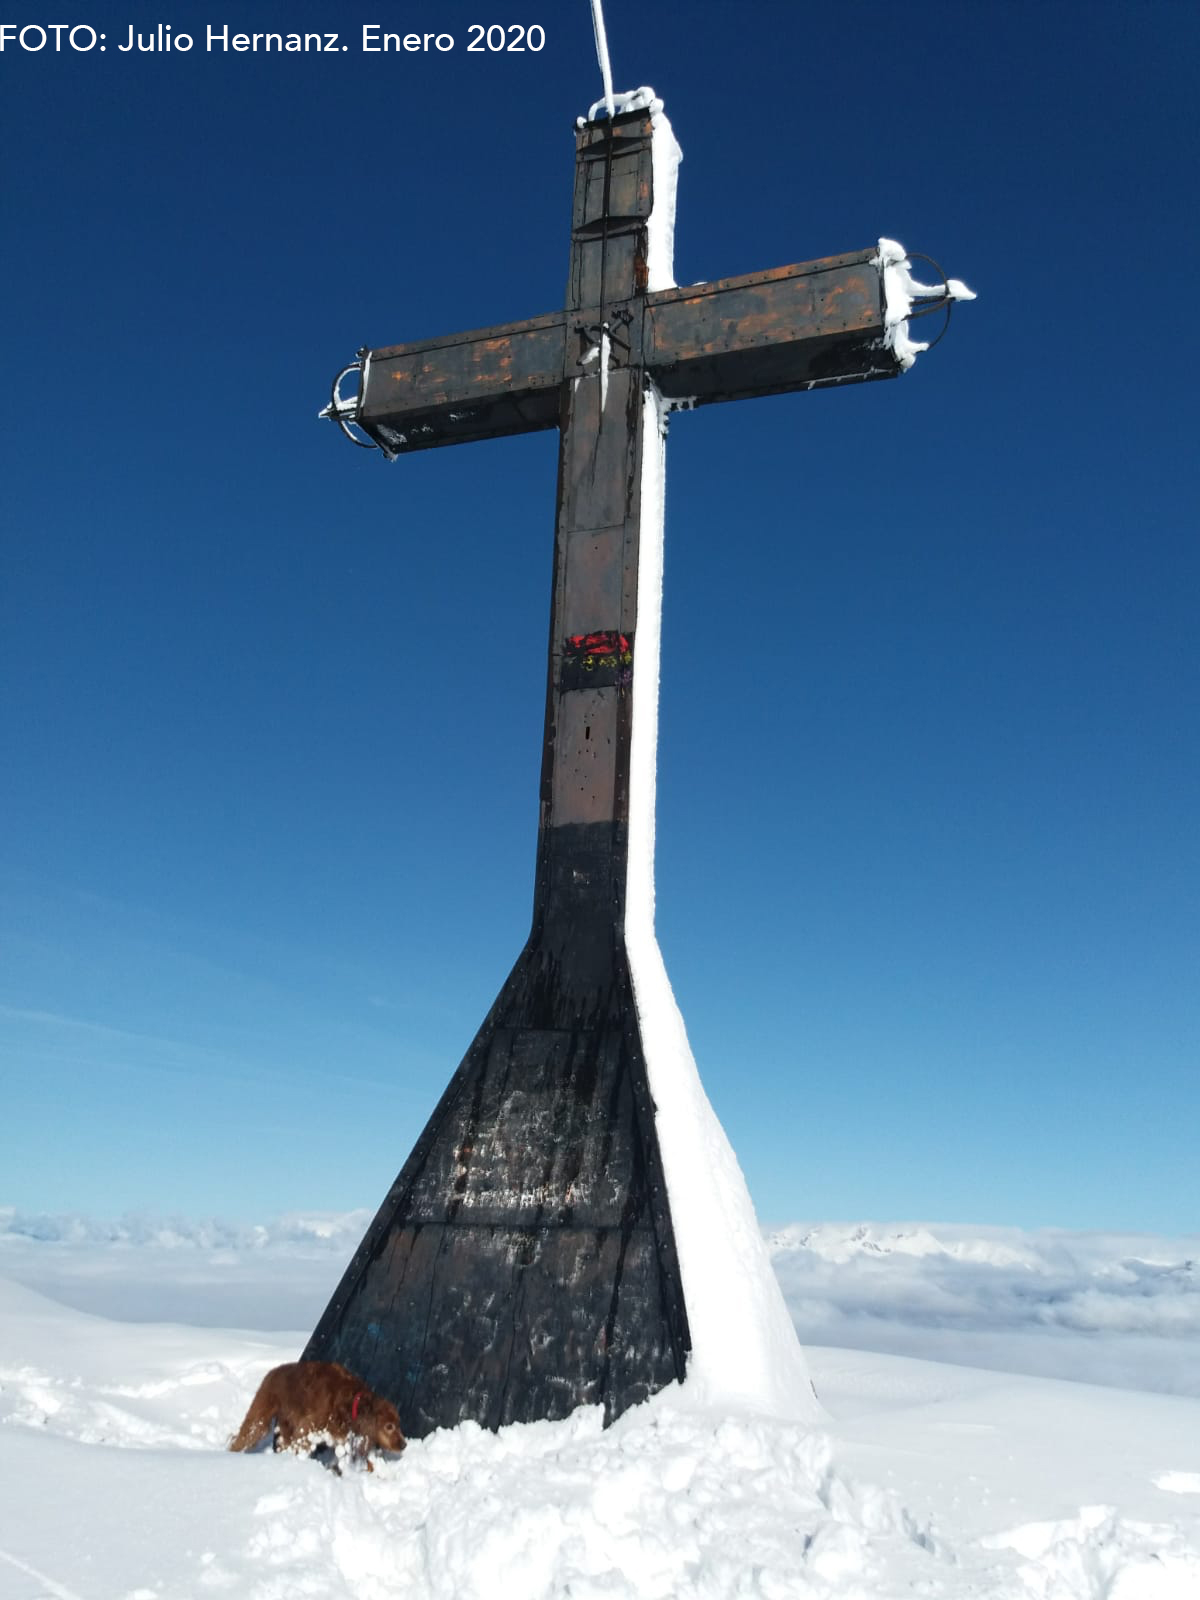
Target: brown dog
[{"x": 310, "y": 1404}]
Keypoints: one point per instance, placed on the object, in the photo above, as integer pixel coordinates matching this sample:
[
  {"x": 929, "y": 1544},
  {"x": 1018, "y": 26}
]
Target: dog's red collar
[{"x": 354, "y": 1407}]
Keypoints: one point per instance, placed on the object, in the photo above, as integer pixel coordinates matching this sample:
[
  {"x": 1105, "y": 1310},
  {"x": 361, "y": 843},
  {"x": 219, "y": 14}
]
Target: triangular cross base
[{"x": 523, "y": 1263}]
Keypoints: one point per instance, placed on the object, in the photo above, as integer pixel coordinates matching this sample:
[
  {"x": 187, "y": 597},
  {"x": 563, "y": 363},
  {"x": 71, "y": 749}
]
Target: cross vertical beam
[
  {"x": 524, "y": 1262},
  {"x": 593, "y": 626}
]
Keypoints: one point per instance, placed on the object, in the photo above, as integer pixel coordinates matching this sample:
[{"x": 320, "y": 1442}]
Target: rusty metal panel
[
  {"x": 627, "y": 176},
  {"x": 812, "y": 323},
  {"x": 614, "y": 194},
  {"x": 613, "y": 174},
  {"x": 593, "y": 599},
  {"x": 585, "y": 772},
  {"x": 473, "y": 386},
  {"x": 601, "y": 264},
  {"x": 596, "y": 489},
  {"x": 585, "y": 756}
]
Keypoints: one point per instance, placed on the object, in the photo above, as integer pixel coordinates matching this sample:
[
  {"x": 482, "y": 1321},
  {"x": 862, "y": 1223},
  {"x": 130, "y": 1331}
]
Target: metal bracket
[
  {"x": 923, "y": 305},
  {"x": 343, "y": 409},
  {"x": 592, "y": 333}
]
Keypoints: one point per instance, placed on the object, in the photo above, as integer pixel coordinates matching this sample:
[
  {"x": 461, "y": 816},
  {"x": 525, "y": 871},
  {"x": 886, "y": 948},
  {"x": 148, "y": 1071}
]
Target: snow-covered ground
[{"x": 120, "y": 1382}]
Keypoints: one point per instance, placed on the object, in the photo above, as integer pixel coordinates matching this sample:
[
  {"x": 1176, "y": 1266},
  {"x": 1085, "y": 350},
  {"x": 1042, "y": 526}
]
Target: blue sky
[{"x": 928, "y": 774}]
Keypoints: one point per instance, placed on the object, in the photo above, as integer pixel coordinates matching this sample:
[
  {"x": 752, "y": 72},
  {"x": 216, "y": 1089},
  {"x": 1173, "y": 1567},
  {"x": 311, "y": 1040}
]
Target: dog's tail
[{"x": 258, "y": 1423}]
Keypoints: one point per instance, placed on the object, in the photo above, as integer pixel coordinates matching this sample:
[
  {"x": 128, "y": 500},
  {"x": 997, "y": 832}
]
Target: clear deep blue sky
[{"x": 272, "y": 709}]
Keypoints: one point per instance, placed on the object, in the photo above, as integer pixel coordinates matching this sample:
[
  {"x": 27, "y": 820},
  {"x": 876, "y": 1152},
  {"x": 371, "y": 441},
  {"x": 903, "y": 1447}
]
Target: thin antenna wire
[{"x": 602, "y": 55}]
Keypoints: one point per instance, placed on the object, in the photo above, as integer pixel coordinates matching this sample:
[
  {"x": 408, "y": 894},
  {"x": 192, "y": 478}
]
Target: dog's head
[{"x": 382, "y": 1425}]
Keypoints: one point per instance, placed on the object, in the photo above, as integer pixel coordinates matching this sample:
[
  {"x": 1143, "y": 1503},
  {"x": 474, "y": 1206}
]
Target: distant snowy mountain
[
  {"x": 841, "y": 1242},
  {"x": 330, "y": 1229},
  {"x": 1042, "y": 1250},
  {"x": 272, "y": 1276},
  {"x": 1000, "y": 1297}
]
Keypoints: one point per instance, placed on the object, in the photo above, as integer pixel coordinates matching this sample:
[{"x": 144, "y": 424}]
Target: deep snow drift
[{"x": 920, "y": 1479}]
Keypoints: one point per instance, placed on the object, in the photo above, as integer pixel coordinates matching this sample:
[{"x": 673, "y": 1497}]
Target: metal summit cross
[{"x": 525, "y": 1260}]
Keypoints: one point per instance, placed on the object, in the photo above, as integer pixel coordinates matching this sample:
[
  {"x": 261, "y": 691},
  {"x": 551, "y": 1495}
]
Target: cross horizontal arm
[
  {"x": 478, "y": 385},
  {"x": 797, "y": 327}
]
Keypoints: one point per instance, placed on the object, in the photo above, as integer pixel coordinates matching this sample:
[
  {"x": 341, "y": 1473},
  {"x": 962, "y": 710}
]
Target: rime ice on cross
[{"x": 549, "y": 1243}]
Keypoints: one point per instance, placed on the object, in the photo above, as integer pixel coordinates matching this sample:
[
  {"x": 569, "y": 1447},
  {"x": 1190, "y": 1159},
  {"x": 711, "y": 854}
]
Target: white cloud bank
[{"x": 1118, "y": 1309}]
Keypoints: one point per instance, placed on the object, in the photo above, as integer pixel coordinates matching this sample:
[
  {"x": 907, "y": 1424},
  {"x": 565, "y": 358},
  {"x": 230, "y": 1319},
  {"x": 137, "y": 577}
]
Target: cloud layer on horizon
[{"x": 1120, "y": 1309}]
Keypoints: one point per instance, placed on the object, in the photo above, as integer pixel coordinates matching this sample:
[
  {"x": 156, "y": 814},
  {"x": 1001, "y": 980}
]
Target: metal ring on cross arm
[
  {"x": 334, "y": 410},
  {"x": 945, "y": 303}
]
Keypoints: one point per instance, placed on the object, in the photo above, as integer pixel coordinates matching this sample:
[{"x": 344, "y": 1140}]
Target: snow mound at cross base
[
  {"x": 668, "y": 1502},
  {"x": 928, "y": 1480}
]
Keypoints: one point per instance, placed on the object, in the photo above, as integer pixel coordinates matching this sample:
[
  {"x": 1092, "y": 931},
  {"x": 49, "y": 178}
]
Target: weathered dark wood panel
[
  {"x": 817, "y": 322},
  {"x": 477, "y": 385},
  {"x": 613, "y": 200}
]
